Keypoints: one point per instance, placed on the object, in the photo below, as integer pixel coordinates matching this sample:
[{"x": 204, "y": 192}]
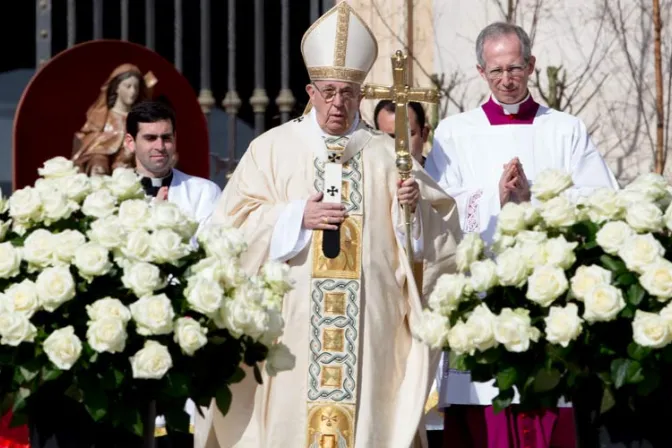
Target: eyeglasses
[
  {"x": 514, "y": 71},
  {"x": 329, "y": 93}
]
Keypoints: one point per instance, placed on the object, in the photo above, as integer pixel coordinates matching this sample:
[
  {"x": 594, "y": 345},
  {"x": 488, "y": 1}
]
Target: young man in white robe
[
  {"x": 322, "y": 194},
  {"x": 150, "y": 136},
  {"x": 485, "y": 158}
]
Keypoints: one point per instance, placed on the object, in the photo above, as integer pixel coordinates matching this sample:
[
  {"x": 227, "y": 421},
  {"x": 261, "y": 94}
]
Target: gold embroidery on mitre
[
  {"x": 337, "y": 73},
  {"x": 348, "y": 262},
  {"x": 331, "y": 426},
  {"x": 333, "y": 339},
  {"x": 334, "y": 303},
  {"x": 341, "y": 44}
]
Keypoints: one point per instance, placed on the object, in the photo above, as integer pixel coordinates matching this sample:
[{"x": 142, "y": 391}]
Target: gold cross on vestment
[{"x": 401, "y": 94}]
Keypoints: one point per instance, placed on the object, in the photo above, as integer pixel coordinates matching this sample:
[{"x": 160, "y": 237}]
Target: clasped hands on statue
[
  {"x": 319, "y": 215},
  {"x": 513, "y": 185}
]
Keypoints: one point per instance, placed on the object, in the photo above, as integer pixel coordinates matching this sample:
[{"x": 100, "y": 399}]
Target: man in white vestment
[
  {"x": 150, "y": 136},
  {"x": 485, "y": 158},
  {"x": 322, "y": 194}
]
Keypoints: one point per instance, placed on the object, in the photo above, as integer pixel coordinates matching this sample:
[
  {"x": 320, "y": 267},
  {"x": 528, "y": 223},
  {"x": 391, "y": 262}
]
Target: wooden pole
[{"x": 660, "y": 111}]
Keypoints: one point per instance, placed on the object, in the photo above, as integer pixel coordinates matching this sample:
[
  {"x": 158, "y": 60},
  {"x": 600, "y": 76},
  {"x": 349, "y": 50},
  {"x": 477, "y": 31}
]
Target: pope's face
[
  {"x": 336, "y": 104},
  {"x": 505, "y": 69},
  {"x": 154, "y": 148}
]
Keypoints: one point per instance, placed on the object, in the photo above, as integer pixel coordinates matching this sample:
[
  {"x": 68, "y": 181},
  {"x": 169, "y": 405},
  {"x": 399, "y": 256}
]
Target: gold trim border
[{"x": 336, "y": 74}]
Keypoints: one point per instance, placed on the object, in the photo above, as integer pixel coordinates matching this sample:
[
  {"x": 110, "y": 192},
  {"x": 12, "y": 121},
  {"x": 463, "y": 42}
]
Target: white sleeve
[
  {"x": 416, "y": 229},
  {"x": 588, "y": 168},
  {"x": 289, "y": 237},
  {"x": 478, "y": 207}
]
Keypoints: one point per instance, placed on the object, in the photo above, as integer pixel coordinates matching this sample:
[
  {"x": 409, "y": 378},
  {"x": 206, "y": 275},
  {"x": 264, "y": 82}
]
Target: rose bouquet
[
  {"x": 573, "y": 296},
  {"x": 115, "y": 301}
]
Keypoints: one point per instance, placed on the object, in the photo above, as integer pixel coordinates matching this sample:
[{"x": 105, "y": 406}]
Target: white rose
[
  {"x": 603, "y": 303},
  {"x": 241, "y": 317},
  {"x": 512, "y": 268},
  {"x": 279, "y": 359},
  {"x": 448, "y": 293},
  {"x": 468, "y": 251},
  {"x": 166, "y": 246},
  {"x": 277, "y": 276},
  {"x": 480, "y": 325},
  {"x": 531, "y": 214},
  {"x": 107, "y": 334},
  {"x": 534, "y": 254},
  {"x": 559, "y": 212},
  {"x": 63, "y": 347},
  {"x": 546, "y": 284},
  {"x": 460, "y": 340},
  {"x": 644, "y": 217},
  {"x": 57, "y": 167},
  {"x": 641, "y": 250},
  {"x": 603, "y": 205},
  {"x": 99, "y": 204},
  {"x": 16, "y": 328},
  {"x": 189, "y": 335},
  {"x": 66, "y": 243},
  {"x": 38, "y": 249},
  {"x": 588, "y": 277},
  {"x": 612, "y": 236},
  {"x": 560, "y": 252},
  {"x": 107, "y": 232},
  {"x": 652, "y": 185},
  {"x": 22, "y": 298},
  {"x": 511, "y": 219},
  {"x": 56, "y": 206},
  {"x": 220, "y": 241},
  {"x": 167, "y": 215},
  {"x": 135, "y": 214},
  {"x": 142, "y": 278},
  {"x": 98, "y": 182},
  {"x": 651, "y": 330},
  {"x": 531, "y": 237},
  {"x": 657, "y": 279},
  {"x": 4, "y": 205},
  {"x": 125, "y": 184},
  {"x": 151, "y": 362},
  {"x": 10, "y": 261},
  {"x": 550, "y": 183},
  {"x": 46, "y": 185},
  {"x": 563, "y": 325},
  {"x": 55, "y": 286},
  {"x": 501, "y": 242},
  {"x": 137, "y": 246},
  {"x": 204, "y": 295},
  {"x": 666, "y": 313},
  {"x": 626, "y": 198},
  {"x": 25, "y": 205},
  {"x": 75, "y": 187},
  {"x": 153, "y": 315},
  {"x": 513, "y": 329},
  {"x": 275, "y": 327},
  {"x": 92, "y": 260},
  {"x": 483, "y": 275},
  {"x": 108, "y": 307}
]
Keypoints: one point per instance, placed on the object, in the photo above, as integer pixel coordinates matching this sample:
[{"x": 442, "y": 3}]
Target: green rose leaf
[
  {"x": 223, "y": 399},
  {"x": 546, "y": 380},
  {"x": 636, "y": 294},
  {"x": 625, "y": 371},
  {"x": 608, "y": 400},
  {"x": 649, "y": 383},
  {"x": 637, "y": 352},
  {"x": 613, "y": 264},
  {"x": 237, "y": 376},
  {"x": 507, "y": 378},
  {"x": 503, "y": 400}
]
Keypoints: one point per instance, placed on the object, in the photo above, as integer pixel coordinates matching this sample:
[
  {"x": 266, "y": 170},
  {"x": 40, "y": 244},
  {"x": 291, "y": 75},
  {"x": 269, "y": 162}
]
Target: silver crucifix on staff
[{"x": 401, "y": 94}]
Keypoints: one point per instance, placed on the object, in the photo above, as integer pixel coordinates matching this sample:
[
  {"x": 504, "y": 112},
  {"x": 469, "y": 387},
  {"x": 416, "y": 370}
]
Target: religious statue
[{"x": 98, "y": 147}]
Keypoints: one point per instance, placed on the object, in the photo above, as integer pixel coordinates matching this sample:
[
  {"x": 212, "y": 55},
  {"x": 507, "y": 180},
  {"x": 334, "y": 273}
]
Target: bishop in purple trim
[{"x": 485, "y": 158}]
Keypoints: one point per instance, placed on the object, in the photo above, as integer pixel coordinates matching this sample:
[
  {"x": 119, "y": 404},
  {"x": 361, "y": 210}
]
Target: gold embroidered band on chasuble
[{"x": 333, "y": 368}]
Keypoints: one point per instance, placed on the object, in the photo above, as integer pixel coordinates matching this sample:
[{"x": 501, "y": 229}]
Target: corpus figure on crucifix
[{"x": 322, "y": 193}]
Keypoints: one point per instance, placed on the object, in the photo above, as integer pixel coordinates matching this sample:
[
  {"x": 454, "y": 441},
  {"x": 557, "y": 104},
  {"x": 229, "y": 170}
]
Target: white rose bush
[
  {"x": 113, "y": 299},
  {"x": 574, "y": 291}
]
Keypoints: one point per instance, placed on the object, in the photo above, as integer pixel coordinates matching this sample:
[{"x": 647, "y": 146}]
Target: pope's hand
[
  {"x": 408, "y": 193},
  {"x": 321, "y": 215}
]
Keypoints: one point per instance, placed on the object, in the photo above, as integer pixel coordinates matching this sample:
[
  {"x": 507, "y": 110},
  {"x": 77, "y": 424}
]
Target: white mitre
[{"x": 339, "y": 46}]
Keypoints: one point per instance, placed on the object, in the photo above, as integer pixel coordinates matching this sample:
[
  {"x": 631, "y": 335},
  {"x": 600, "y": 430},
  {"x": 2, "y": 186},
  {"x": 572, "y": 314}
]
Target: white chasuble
[{"x": 360, "y": 379}]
